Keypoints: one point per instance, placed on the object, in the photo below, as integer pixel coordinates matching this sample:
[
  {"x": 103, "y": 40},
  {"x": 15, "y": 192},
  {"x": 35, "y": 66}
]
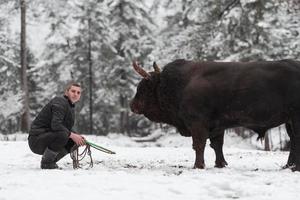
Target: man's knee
[
  {"x": 60, "y": 140},
  {"x": 34, "y": 146}
]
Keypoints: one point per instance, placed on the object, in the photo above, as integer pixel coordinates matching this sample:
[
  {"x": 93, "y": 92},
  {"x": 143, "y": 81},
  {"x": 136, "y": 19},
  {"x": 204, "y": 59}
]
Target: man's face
[{"x": 73, "y": 93}]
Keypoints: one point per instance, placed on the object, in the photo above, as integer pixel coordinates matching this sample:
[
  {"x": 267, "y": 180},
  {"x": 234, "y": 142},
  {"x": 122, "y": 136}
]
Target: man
[{"x": 51, "y": 133}]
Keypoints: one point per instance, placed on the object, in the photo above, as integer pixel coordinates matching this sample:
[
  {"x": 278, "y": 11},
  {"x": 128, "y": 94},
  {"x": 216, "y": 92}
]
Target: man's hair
[{"x": 70, "y": 84}]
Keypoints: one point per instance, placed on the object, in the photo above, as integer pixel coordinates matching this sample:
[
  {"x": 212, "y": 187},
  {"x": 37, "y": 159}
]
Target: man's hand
[{"x": 78, "y": 139}]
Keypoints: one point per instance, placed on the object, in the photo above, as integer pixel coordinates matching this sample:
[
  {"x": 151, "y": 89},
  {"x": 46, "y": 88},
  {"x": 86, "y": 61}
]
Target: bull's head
[{"x": 146, "y": 99}]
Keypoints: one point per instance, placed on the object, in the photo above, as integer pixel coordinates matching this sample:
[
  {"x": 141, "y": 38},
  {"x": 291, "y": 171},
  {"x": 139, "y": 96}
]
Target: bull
[{"x": 202, "y": 99}]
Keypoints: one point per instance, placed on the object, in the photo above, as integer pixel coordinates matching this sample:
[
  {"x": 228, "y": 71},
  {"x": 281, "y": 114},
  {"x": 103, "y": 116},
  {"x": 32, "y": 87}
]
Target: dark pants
[{"x": 56, "y": 141}]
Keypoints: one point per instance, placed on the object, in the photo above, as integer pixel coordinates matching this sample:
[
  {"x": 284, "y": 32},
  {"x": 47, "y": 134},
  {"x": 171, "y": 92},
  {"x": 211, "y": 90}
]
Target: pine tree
[
  {"x": 25, "y": 117},
  {"x": 133, "y": 39},
  {"x": 10, "y": 90}
]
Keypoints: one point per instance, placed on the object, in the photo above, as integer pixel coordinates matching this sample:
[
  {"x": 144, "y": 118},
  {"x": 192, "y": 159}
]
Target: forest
[{"x": 45, "y": 44}]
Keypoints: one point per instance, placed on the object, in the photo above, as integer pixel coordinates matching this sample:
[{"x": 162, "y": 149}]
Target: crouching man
[{"x": 51, "y": 132}]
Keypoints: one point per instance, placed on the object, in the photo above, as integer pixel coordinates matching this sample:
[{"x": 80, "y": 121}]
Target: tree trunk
[
  {"x": 267, "y": 142},
  {"x": 128, "y": 124},
  {"x": 90, "y": 75},
  {"x": 25, "y": 118},
  {"x": 123, "y": 114}
]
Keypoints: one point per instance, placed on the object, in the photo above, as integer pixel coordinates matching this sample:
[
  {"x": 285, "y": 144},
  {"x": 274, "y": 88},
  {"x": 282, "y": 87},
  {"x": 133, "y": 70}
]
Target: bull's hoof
[
  {"x": 199, "y": 166},
  {"x": 289, "y": 166},
  {"x": 221, "y": 164},
  {"x": 295, "y": 168}
]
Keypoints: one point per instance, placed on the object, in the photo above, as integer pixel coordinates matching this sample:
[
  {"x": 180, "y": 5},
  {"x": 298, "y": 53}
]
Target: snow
[
  {"x": 147, "y": 171},
  {"x": 10, "y": 104}
]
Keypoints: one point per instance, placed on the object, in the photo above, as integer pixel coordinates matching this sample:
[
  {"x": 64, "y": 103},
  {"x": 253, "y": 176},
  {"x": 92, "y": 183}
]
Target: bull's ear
[
  {"x": 156, "y": 67},
  {"x": 140, "y": 70}
]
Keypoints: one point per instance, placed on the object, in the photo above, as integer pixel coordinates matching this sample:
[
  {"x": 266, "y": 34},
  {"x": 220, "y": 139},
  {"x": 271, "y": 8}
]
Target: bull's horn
[
  {"x": 140, "y": 70},
  {"x": 156, "y": 67}
]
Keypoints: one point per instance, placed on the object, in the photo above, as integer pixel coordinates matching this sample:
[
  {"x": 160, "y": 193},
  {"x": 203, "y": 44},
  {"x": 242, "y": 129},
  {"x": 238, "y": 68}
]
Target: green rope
[
  {"x": 76, "y": 156},
  {"x": 98, "y": 147}
]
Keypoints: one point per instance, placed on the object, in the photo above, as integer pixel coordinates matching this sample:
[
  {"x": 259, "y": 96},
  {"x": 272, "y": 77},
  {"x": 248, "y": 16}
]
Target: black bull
[{"x": 202, "y": 99}]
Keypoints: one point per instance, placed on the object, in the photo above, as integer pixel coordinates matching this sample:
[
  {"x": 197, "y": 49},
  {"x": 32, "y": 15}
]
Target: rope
[
  {"x": 76, "y": 156},
  {"x": 99, "y": 148}
]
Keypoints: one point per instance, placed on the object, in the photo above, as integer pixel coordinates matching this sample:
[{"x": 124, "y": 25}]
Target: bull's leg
[
  {"x": 216, "y": 142},
  {"x": 291, "y": 159},
  {"x": 295, "y": 140},
  {"x": 199, "y": 136}
]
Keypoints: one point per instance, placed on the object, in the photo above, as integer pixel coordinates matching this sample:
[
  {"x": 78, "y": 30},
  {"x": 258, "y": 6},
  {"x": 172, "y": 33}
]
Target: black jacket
[{"x": 57, "y": 116}]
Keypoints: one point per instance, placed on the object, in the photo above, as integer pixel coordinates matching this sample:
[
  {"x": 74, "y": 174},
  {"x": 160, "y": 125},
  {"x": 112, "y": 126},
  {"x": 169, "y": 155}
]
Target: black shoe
[
  {"x": 49, "y": 166},
  {"x": 49, "y": 159},
  {"x": 61, "y": 154}
]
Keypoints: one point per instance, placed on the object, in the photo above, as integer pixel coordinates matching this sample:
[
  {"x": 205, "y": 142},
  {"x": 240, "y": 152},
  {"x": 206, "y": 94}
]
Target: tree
[
  {"x": 10, "y": 94},
  {"x": 133, "y": 39},
  {"x": 89, "y": 57},
  {"x": 191, "y": 27},
  {"x": 25, "y": 119}
]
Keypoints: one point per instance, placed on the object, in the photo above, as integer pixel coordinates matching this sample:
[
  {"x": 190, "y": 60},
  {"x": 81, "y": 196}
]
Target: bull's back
[
  {"x": 261, "y": 94},
  {"x": 246, "y": 94}
]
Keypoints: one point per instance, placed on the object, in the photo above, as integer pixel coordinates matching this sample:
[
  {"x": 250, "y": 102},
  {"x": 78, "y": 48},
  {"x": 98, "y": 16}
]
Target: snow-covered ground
[{"x": 161, "y": 170}]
